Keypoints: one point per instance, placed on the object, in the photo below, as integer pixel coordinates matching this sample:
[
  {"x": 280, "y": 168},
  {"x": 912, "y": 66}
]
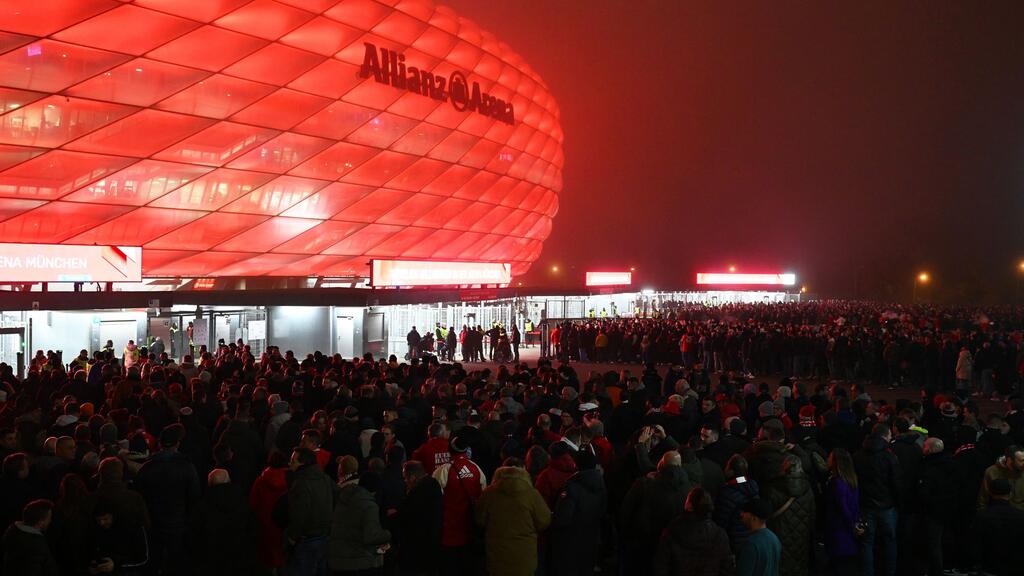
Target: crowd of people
[{"x": 233, "y": 463}]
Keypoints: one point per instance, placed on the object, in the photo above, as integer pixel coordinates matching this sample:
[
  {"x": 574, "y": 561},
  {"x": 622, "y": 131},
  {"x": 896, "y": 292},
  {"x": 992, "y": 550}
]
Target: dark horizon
[{"x": 854, "y": 145}]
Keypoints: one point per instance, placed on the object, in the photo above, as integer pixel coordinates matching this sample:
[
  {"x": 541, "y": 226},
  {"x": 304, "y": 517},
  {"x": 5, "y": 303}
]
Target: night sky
[{"x": 853, "y": 144}]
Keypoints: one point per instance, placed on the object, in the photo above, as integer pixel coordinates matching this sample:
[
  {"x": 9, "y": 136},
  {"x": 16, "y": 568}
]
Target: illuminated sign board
[
  {"x": 731, "y": 279},
  {"x": 386, "y": 273},
  {"x": 69, "y": 263},
  {"x": 609, "y": 278},
  {"x": 390, "y": 68}
]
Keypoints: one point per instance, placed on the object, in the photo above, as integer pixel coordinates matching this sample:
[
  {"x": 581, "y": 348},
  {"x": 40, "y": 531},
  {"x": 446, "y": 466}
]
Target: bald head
[
  {"x": 218, "y": 476},
  {"x": 933, "y": 446},
  {"x": 670, "y": 458}
]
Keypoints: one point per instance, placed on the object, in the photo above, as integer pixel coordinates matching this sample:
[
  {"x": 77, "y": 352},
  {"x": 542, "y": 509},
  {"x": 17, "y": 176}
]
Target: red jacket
[
  {"x": 461, "y": 492},
  {"x": 605, "y": 452},
  {"x": 552, "y": 479},
  {"x": 270, "y": 486},
  {"x": 433, "y": 454}
]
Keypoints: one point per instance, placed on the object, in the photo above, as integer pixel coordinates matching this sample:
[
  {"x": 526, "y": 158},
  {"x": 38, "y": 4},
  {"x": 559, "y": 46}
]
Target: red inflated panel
[
  {"x": 206, "y": 232},
  {"x": 141, "y": 134},
  {"x": 218, "y": 96},
  {"x": 138, "y": 30},
  {"x": 57, "y": 119},
  {"x": 272, "y": 137},
  {"x": 214, "y": 190},
  {"x": 137, "y": 227},
  {"x": 265, "y": 18},
  {"x": 218, "y": 144},
  {"x": 267, "y": 235},
  {"x": 324, "y": 235},
  {"x": 138, "y": 184},
  {"x": 13, "y": 155},
  {"x": 276, "y": 196},
  {"x": 39, "y": 18},
  {"x": 328, "y": 201},
  {"x": 140, "y": 82},
  {"x": 52, "y": 175},
  {"x": 57, "y": 221}
]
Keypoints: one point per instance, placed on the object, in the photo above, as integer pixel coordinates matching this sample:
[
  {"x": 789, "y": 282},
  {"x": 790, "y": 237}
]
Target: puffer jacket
[
  {"x": 553, "y": 478},
  {"x": 731, "y": 499},
  {"x": 356, "y": 533},
  {"x": 513, "y": 514},
  {"x": 879, "y": 475},
  {"x": 694, "y": 546},
  {"x": 577, "y": 517},
  {"x": 765, "y": 459},
  {"x": 795, "y": 525}
]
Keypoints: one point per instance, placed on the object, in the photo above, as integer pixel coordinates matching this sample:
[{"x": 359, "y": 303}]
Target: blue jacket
[{"x": 842, "y": 510}]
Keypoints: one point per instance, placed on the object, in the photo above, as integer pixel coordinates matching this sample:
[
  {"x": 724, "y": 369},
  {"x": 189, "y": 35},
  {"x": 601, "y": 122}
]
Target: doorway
[{"x": 344, "y": 336}]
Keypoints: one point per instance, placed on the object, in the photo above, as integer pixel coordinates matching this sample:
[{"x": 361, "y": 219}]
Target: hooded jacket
[
  {"x": 356, "y": 533},
  {"x": 512, "y": 514},
  {"x": 693, "y": 546},
  {"x": 577, "y": 517},
  {"x": 271, "y": 485},
  {"x": 731, "y": 499},
  {"x": 878, "y": 475},
  {"x": 552, "y": 479}
]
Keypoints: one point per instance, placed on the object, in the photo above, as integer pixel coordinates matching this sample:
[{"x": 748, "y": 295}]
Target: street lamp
[
  {"x": 554, "y": 268},
  {"x": 732, "y": 268},
  {"x": 922, "y": 278}
]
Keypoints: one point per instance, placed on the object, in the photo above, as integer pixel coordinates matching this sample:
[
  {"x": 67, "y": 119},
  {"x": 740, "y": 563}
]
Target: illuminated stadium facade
[{"x": 250, "y": 138}]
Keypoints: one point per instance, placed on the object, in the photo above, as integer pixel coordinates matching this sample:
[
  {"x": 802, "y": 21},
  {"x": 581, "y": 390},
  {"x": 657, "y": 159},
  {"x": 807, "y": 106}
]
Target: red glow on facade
[
  {"x": 393, "y": 273},
  {"x": 238, "y": 138}
]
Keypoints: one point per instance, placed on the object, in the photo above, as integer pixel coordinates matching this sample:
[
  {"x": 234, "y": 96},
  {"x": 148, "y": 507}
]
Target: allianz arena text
[{"x": 272, "y": 138}]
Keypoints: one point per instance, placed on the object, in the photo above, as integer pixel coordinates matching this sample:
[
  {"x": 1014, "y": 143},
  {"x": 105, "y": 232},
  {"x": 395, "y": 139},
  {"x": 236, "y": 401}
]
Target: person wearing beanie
[
  {"x": 760, "y": 554},
  {"x": 462, "y": 482},
  {"x": 995, "y": 532},
  {"x": 358, "y": 541},
  {"x": 577, "y": 516},
  {"x": 170, "y": 485}
]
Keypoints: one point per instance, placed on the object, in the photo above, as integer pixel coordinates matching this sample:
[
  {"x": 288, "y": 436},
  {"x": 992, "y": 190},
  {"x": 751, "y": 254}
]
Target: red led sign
[
  {"x": 391, "y": 273},
  {"x": 732, "y": 279}
]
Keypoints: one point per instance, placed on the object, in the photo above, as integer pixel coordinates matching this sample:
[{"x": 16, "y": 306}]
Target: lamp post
[{"x": 921, "y": 278}]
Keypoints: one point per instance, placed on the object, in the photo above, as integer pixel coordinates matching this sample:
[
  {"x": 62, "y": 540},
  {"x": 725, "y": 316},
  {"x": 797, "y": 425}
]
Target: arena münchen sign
[{"x": 388, "y": 67}]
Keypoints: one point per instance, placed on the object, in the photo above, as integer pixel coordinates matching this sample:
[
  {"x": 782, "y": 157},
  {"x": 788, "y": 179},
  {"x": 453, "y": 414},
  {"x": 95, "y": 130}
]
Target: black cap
[
  {"x": 758, "y": 507},
  {"x": 457, "y": 445},
  {"x": 171, "y": 435}
]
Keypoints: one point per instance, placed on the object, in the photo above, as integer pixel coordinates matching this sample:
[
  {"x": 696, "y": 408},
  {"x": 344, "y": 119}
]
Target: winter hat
[
  {"x": 671, "y": 407},
  {"x": 737, "y": 427},
  {"x": 785, "y": 392},
  {"x": 948, "y": 409},
  {"x": 766, "y": 409},
  {"x": 780, "y": 404},
  {"x": 457, "y": 445},
  {"x": 171, "y": 435},
  {"x": 279, "y": 407},
  {"x": 758, "y": 507},
  {"x": 86, "y": 410}
]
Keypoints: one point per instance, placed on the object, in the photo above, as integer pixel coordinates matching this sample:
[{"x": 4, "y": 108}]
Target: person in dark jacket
[
  {"x": 907, "y": 447},
  {"x": 737, "y": 491},
  {"x": 122, "y": 545},
  {"x": 879, "y": 478},
  {"x": 579, "y": 512},
  {"x": 16, "y": 490},
  {"x": 765, "y": 456},
  {"x": 419, "y": 522},
  {"x": 169, "y": 484},
  {"x": 358, "y": 541},
  {"x": 310, "y": 505},
  {"x": 129, "y": 506},
  {"x": 718, "y": 448},
  {"x": 793, "y": 518},
  {"x": 649, "y": 506},
  {"x": 26, "y": 551},
  {"x": 245, "y": 443},
  {"x": 936, "y": 493},
  {"x": 224, "y": 529},
  {"x": 842, "y": 513},
  {"x": 995, "y": 534},
  {"x": 693, "y": 545}
]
